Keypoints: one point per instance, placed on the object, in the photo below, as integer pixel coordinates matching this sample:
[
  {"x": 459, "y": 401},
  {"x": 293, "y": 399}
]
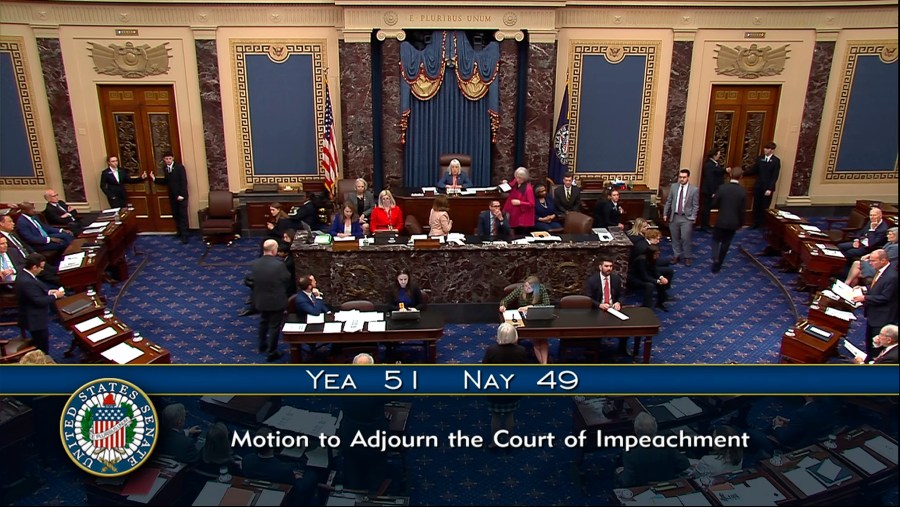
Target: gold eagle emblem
[
  {"x": 130, "y": 61},
  {"x": 752, "y": 62}
]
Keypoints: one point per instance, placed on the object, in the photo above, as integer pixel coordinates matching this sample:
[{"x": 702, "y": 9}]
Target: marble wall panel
[
  {"x": 823, "y": 55},
  {"x": 504, "y": 149},
  {"x": 62, "y": 121},
  {"x": 211, "y": 108},
  {"x": 392, "y": 149},
  {"x": 539, "y": 109},
  {"x": 673, "y": 140},
  {"x": 356, "y": 109}
]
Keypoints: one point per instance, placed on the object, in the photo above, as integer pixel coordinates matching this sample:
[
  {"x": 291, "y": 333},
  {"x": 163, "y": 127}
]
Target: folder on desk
[
  {"x": 238, "y": 496},
  {"x": 77, "y": 306}
]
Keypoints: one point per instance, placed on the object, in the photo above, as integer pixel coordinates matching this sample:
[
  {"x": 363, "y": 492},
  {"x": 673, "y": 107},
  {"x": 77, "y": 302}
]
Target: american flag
[
  {"x": 329, "y": 149},
  {"x": 105, "y": 418}
]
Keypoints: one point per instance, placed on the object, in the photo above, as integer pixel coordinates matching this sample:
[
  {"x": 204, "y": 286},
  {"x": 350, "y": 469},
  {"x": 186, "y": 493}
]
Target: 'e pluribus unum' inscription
[{"x": 451, "y": 18}]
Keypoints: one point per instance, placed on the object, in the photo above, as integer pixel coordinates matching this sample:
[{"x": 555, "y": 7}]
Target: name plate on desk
[
  {"x": 427, "y": 244},
  {"x": 341, "y": 246}
]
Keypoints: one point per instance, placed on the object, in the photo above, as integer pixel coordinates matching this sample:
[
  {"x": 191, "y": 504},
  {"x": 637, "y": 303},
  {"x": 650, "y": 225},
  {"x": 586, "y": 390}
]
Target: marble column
[
  {"x": 673, "y": 138},
  {"x": 504, "y": 149},
  {"x": 62, "y": 122},
  {"x": 539, "y": 109},
  {"x": 390, "y": 97},
  {"x": 356, "y": 109},
  {"x": 211, "y": 108},
  {"x": 816, "y": 87}
]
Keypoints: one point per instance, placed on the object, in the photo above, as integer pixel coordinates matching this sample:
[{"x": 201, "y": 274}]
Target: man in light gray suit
[{"x": 681, "y": 212}]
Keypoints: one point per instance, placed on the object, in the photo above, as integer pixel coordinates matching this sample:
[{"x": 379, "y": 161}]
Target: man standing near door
[
  {"x": 731, "y": 201},
  {"x": 766, "y": 169},
  {"x": 175, "y": 176},
  {"x": 113, "y": 180},
  {"x": 681, "y": 212}
]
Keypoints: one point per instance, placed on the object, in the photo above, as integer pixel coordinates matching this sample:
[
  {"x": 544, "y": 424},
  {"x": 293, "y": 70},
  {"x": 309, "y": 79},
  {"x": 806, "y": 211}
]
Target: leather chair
[
  {"x": 578, "y": 223},
  {"x": 589, "y": 348},
  {"x": 11, "y": 351},
  {"x": 359, "y": 304},
  {"x": 344, "y": 187},
  {"x": 218, "y": 221},
  {"x": 343, "y": 354},
  {"x": 465, "y": 164},
  {"x": 854, "y": 222},
  {"x": 412, "y": 225}
]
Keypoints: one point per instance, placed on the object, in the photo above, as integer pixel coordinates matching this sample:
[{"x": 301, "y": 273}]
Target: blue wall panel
[
  {"x": 282, "y": 115},
  {"x": 15, "y": 153},
  {"x": 869, "y": 138},
  {"x": 609, "y": 114}
]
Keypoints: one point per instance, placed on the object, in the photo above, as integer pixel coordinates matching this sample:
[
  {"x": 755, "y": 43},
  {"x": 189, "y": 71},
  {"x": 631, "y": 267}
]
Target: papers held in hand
[
  {"x": 504, "y": 187},
  {"x": 853, "y": 349},
  {"x": 846, "y": 292}
]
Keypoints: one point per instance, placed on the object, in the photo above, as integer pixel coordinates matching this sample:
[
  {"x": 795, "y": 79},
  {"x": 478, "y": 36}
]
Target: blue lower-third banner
[{"x": 462, "y": 379}]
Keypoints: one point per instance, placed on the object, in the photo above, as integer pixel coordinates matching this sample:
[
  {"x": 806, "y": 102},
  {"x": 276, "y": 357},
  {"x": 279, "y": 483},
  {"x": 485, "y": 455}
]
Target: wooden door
[
  {"x": 741, "y": 121},
  {"x": 139, "y": 125}
]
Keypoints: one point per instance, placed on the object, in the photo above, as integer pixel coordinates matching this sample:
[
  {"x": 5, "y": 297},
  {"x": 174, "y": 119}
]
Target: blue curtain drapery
[{"x": 449, "y": 105}]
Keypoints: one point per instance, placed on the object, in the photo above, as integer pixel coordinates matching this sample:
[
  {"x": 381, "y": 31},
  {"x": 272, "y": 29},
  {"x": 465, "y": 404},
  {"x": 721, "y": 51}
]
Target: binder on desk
[
  {"x": 77, "y": 306},
  {"x": 817, "y": 333}
]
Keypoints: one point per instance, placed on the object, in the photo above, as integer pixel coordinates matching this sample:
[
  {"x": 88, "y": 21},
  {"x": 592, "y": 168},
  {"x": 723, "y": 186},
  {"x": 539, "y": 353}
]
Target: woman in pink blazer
[{"x": 520, "y": 203}]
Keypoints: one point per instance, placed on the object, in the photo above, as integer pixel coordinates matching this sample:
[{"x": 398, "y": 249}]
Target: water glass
[{"x": 776, "y": 459}]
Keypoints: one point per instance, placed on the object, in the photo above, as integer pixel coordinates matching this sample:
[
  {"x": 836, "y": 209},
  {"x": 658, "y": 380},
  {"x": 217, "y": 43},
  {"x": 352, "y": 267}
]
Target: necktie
[
  {"x": 680, "y": 208},
  {"x": 568, "y": 194},
  {"x": 6, "y": 264},
  {"x": 875, "y": 279},
  {"x": 115, "y": 175},
  {"x": 24, "y": 251},
  {"x": 39, "y": 228},
  {"x": 607, "y": 297},
  {"x": 169, "y": 169},
  {"x": 493, "y": 227}
]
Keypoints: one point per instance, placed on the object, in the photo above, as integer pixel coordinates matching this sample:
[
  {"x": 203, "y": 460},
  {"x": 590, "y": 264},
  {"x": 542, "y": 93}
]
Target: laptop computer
[
  {"x": 407, "y": 315},
  {"x": 541, "y": 312}
]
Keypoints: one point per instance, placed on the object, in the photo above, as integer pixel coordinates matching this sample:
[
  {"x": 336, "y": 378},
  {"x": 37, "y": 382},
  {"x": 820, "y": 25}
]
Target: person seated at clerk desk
[
  {"x": 439, "y": 218},
  {"x": 887, "y": 342},
  {"x": 405, "y": 294},
  {"x": 872, "y": 235},
  {"x": 174, "y": 440},
  {"x": 309, "y": 299},
  {"x": 638, "y": 228},
  {"x": 387, "y": 216},
  {"x": 567, "y": 197},
  {"x": 277, "y": 222},
  {"x": 605, "y": 289},
  {"x": 608, "y": 212},
  {"x": 493, "y": 224},
  {"x": 454, "y": 179},
  {"x": 643, "y": 465},
  {"x": 519, "y": 204},
  {"x": 60, "y": 214},
  {"x": 217, "y": 453},
  {"x": 42, "y": 237},
  {"x": 644, "y": 278},
  {"x": 523, "y": 297},
  {"x": 362, "y": 200},
  {"x": 863, "y": 268},
  {"x": 346, "y": 224},
  {"x": 306, "y": 212},
  {"x": 544, "y": 210}
]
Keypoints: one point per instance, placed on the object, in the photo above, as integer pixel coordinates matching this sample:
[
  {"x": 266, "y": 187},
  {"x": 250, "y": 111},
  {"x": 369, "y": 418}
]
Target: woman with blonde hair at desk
[
  {"x": 520, "y": 203},
  {"x": 439, "y": 218},
  {"x": 637, "y": 229},
  {"x": 387, "y": 216},
  {"x": 530, "y": 293}
]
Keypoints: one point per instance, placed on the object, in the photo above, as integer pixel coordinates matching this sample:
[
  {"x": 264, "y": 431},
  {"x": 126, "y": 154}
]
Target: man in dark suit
[
  {"x": 60, "y": 214},
  {"x": 175, "y": 176},
  {"x": 176, "y": 441},
  {"x": 643, "y": 465},
  {"x": 872, "y": 235},
  {"x": 34, "y": 300},
  {"x": 608, "y": 213},
  {"x": 271, "y": 281},
  {"x": 567, "y": 197},
  {"x": 887, "y": 342},
  {"x": 731, "y": 200},
  {"x": 494, "y": 223},
  {"x": 880, "y": 300},
  {"x": 766, "y": 169},
  {"x": 113, "y": 180},
  {"x": 605, "y": 287},
  {"x": 8, "y": 269},
  {"x": 712, "y": 178},
  {"x": 308, "y": 213},
  {"x": 309, "y": 300},
  {"x": 18, "y": 250},
  {"x": 805, "y": 425},
  {"x": 41, "y": 236}
]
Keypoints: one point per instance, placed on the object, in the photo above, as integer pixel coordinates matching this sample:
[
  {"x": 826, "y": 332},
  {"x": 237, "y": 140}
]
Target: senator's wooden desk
[
  {"x": 91, "y": 349},
  {"x": 428, "y": 329},
  {"x": 90, "y": 272},
  {"x": 255, "y": 487},
  {"x": 817, "y": 314},
  {"x": 16, "y": 422},
  {"x": 596, "y": 323},
  {"x": 362, "y": 499},
  {"x": 818, "y": 267},
  {"x": 776, "y": 229},
  {"x": 727, "y": 481},
  {"x": 589, "y": 417},
  {"x": 841, "y": 494},
  {"x": 803, "y": 348},
  {"x": 473, "y": 273},
  {"x": 118, "y": 237},
  {"x": 682, "y": 487},
  {"x": 68, "y": 320},
  {"x": 101, "y": 491},
  {"x": 243, "y": 410},
  {"x": 794, "y": 238},
  {"x": 857, "y": 438},
  {"x": 152, "y": 353},
  {"x": 464, "y": 209}
]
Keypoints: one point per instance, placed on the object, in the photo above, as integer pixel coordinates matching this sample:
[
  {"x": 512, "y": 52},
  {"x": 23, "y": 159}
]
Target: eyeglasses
[{"x": 495, "y": 205}]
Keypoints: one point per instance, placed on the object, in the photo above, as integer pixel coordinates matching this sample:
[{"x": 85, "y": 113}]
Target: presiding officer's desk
[
  {"x": 464, "y": 209},
  {"x": 472, "y": 273}
]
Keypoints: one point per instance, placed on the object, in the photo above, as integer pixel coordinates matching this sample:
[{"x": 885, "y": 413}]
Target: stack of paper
[
  {"x": 686, "y": 406},
  {"x": 840, "y": 314},
  {"x": 333, "y": 327},
  {"x": 102, "y": 334},
  {"x": 89, "y": 324},
  {"x": 788, "y": 215},
  {"x": 859, "y": 457},
  {"x": 810, "y": 228},
  {"x": 212, "y": 493},
  {"x": 122, "y": 353},
  {"x": 830, "y": 473},
  {"x": 846, "y": 292},
  {"x": 884, "y": 447},
  {"x": 348, "y": 315},
  {"x": 303, "y": 421},
  {"x": 71, "y": 261},
  {"x": 293, "y": 327},
  {"x": 512, "y": 315}
]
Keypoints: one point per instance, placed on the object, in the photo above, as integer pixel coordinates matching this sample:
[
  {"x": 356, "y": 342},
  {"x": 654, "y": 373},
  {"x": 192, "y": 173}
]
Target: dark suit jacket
[
  {"x": 881, "y": 300},
  {"x": 115, "y": 190},
  {"x": 484, "y": 226},
  {"x": 462, "y": 180},
  {"x": 564, "y": 205},
  {"x": 307, "y": 306},
  {"x": 807, "y": 424},
  {"x": 308, "y": 213},
  {"x": 177, "y": 180},
  {"x": 646, "y": 465},
  {"x": 731, "y": 201},
  {"x": 48, "y": 275},
  {"x": 607, "y": 214},
  {"x": 594, "y": 289},
  {"x": 889, "y": 358},
  {"x": 31, "y": 234},
  {"x": 766, "y": 172},
  {"x": 54, "y": 215},
  {"x": 713, "y": 177},
  {"x": 511, "y": 353},
  {"x": 179, "y": 446},
  {"x": 271, "y": 281},
  {"x": 877, "y": 238},
  {"x": 34, "y": 302},
  {"x": 368, "y": 202},
  {"x": 268, "y": 469}
]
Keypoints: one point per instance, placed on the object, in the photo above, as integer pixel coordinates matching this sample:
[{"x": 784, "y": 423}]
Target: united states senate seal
[{"x": 108, "y": 427}]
